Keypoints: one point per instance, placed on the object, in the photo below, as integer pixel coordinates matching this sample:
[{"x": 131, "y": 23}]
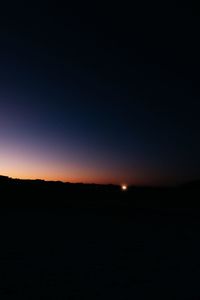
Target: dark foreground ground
[{"x": 91, "y": 242}]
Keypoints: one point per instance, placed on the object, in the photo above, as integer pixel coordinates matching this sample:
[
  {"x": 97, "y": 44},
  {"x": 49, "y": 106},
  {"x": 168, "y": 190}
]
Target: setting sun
[{"x": 124, "y": 187}]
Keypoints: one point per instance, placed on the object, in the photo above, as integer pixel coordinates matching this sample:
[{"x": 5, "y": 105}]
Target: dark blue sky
[{"x": 100, "y": 93}]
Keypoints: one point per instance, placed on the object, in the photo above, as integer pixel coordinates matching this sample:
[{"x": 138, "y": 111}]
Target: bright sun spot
[{"x": 124, "y": 187}]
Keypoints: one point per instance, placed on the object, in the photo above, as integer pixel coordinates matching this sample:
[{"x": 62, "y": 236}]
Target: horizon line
[{"x": 95, "y": 183}]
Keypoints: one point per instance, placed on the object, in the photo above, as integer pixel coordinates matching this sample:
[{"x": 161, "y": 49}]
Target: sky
[{"x": 100, "y": 93}]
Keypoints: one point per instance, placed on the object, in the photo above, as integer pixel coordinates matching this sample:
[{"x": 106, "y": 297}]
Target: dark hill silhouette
[
  {"x": 5, "y": 178},
  {"x": 88, "y": 241},
  {"x": 41, "y": 193}
]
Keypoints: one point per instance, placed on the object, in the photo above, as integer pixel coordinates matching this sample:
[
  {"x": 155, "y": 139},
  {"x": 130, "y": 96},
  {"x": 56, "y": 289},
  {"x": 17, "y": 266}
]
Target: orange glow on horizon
[
  {"x": 23, "y": 162},
  {"x": 87, "y": 180},
  {"x": 31, "y": 165}
]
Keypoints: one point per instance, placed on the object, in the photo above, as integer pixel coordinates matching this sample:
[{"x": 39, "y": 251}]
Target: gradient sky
[{"x": 104, "y": 94}]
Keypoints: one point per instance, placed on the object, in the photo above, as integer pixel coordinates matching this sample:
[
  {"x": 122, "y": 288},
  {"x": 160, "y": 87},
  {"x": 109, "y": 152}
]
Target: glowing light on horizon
[{"x": 124, "y": 187}]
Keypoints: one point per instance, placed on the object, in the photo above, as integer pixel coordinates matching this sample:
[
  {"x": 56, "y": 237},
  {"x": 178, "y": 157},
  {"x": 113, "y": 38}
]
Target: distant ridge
[
  {"x": 4, "y": 179},
  {"x": 194, "y": 184},
  {"x": 41, "y": 193}
]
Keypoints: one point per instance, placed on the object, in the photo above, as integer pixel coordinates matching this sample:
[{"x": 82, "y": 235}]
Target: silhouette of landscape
[
  {"x": 41, "y": 193},
  {"x": 62, "y": 240}
]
